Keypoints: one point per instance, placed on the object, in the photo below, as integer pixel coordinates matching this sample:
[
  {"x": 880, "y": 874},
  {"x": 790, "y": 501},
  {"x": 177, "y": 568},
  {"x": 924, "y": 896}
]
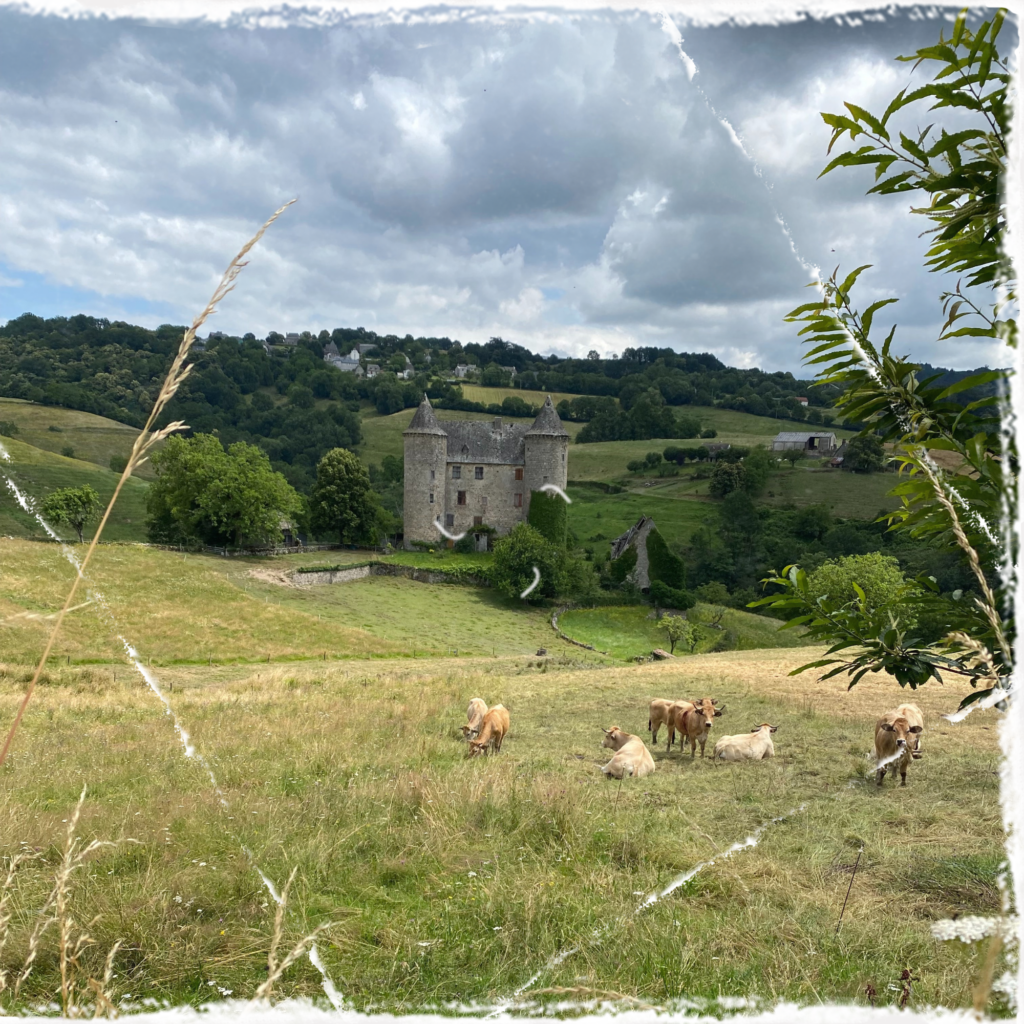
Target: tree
[
  {"x": 681, "y": 631},
  {"x": 756, "y": 467},
  {"x": 793, "y": 456},
  {"x": 342, "y": 501},
  {"x": 206, "y": 495},
  {"x": 878, "y": 576},
  {"x": 864, "y": 454},
  {"x": 72, "y": 506},
  {"x": 515, "y": 557},
  {"x": 971, "y": 511},
  {"x": 652, "y": 460},
  {"x": 726, "y": 477},
  {"x": 636, "y": 466}
]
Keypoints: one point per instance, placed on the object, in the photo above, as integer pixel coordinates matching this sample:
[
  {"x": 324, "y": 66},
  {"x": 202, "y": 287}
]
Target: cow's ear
[
  {"x": 719, "y": 711},
  {"x": 756, "y": 728},
  {"x": 774, "y": 728},
  {"x": 607, "y": 732},
  {"x": 887, "y": 726},
  {"x": 916, "y": 728}
]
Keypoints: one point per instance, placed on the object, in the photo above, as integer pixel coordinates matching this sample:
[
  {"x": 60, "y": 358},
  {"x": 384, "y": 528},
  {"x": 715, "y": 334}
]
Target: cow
[
  {"x": 475, "y": 715},
  {"x": 631, "y": 758},
  {"x": 755, "y": 745},
  {"x": 492, "y": 731},
  {"x": 660, "y": 714},
  {"x": 693, "y": 720},
  {"x": 896, "y": 739}
]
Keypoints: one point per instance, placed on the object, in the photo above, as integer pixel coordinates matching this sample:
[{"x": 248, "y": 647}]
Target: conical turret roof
[
  {"x": 547, "y": 422},
  {"x": 425, "y": 422}
]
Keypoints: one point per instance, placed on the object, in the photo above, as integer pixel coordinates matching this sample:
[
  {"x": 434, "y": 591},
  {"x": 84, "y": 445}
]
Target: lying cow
[
  {"x": 632, "y": 758},
  {"x": 475, "y": 717},
  {"x": 660, "y": 713},
  {"x": 492, "y": 731},
  {"x": 896, "y": 739},
  {"x": 693, "y": 721},
  {"x": 755, "y": 745}
]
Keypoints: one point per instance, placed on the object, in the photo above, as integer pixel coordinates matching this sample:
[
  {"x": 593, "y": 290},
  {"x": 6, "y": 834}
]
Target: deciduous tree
[{"x": 72, "y": 506}]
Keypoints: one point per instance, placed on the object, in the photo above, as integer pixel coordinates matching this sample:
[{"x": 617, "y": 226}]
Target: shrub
[
  {"x": 8, "y": 428},
  {"x": 670, "y": 597},
  {"x": 549, "y": 516},
  {"x": 68, "y": 451},
  {"x": 663, "y": 565},
  {"x": 118, "y": 463},
  {"x": 726, "y": 477}
]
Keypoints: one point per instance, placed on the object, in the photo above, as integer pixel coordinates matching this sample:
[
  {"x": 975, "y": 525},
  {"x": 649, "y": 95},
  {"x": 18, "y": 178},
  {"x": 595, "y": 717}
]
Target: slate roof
[
  {"x": 547, "y": 421},
  {"x": 424, "y": 422},
  {"x": 478, "y": 441}
]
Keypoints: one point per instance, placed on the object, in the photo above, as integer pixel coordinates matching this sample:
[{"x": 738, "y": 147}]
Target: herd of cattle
[{"x": 897, "y": 736}]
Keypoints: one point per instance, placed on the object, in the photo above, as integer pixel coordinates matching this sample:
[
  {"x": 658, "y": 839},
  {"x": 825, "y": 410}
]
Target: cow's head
[
  {"x": 611, "y": 737},
  {"x": 765, "y": 725},
  {"x": 707, "y": 709},
  {"x": 470, "y": 732},
  {"x": 906, "y": 734},
  {"x": 476, "y": 749}
]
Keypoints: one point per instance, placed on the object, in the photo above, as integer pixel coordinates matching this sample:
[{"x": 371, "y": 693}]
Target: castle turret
[
  {"x": 426, "y": 453},
  {"x": 547, "y": 452}
]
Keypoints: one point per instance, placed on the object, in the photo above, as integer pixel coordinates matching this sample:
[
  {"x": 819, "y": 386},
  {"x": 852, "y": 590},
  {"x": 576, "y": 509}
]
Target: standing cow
[
  {"x": 474, "y": 717},
  {"x": 693, "y": 720},
  {"x": 660, "y": 713},
  {"x": 896, "y": 740},
  {"x": 492, "y": 732}
]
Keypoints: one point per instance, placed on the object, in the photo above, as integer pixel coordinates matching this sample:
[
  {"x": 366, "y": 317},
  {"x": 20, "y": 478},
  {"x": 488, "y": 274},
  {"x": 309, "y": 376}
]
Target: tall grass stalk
[{"x": 144, "y": 443}]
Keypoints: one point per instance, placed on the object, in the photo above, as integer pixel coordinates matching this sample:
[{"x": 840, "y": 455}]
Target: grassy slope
[
  {"x": 628, "y": 632},
  {"x": 457, "y": 880},
  {"x": 599, "y": 518},
  {"x": 198, "y": 608},
  {"x": 478, "y": 393},
  {"x": 94, "y": 438},
  {"x": 37, "y": 472}
]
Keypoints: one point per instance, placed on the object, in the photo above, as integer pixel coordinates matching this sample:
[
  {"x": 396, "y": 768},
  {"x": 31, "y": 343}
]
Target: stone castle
[{"x": 461, "y": 474}]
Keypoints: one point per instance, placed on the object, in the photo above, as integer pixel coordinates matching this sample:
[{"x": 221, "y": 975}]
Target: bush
[
  {"x": 8, "y": 428},
  {"x": 68, "y": 451},
  {"x": 879, "y": 576},
  {"x": 726, "y": 477},
  {"x": 671, "y": 597},
  {"x": 118, "y": 463},
  {"x": 549, "y": 516},
  {"x": 561, "y": 575},
  {"x": 664, "y": 566},
  {"x": 709, "y": 433}
]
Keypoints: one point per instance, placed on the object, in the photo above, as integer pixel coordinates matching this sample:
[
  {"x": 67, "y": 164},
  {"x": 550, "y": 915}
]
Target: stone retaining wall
[{"x": 308, "y": 579}]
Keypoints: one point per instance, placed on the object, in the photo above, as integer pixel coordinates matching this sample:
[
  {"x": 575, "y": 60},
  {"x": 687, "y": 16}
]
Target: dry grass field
[{"x": 453, "y": 881}]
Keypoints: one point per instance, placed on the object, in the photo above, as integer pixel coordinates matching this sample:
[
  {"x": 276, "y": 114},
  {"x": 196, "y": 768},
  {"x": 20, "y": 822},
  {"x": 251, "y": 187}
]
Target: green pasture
[{"x": 598, "y": 518}]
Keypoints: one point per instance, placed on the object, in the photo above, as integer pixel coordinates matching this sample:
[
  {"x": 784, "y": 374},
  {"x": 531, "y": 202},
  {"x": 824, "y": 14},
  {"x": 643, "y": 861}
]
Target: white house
[{"x": 347, "y": 364}]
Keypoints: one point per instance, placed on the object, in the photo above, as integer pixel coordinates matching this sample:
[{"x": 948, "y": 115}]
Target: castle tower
[
  {"x": 547, "y": 452},
  {"x": 426, "y": 454}
]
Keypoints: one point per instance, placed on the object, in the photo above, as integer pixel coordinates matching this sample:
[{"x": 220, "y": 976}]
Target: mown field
[{"x": 451, "y": 882}]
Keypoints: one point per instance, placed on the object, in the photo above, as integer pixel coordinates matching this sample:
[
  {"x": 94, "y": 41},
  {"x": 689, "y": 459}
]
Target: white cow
[
  {"x": 632, "y": 758},
  {"x": 751, "y": 746},
  {"x": 475, "y": 716}
]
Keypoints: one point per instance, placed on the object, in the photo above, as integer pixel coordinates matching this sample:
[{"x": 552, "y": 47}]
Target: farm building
[
  {"x": 463, "y": 474},
  {"x": 821, "y": 442}
]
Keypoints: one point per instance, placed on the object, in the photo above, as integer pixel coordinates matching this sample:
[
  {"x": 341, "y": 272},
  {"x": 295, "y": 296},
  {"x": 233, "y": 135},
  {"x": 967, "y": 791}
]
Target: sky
[{"x": 566, "y": 180}]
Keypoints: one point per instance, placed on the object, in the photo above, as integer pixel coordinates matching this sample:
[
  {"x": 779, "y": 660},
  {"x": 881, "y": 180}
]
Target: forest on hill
[{"x": 296, "y": 407}]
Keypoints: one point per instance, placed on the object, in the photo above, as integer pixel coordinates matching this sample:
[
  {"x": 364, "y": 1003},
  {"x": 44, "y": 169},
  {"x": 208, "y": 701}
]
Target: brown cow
[
  {"x": 492, "y": 731},
  {"x": 660, "y": 714},
  {"x": 895, "y": 742},
  {"x": 693, "y": 719},
  {"x": 912, "y": 713}
]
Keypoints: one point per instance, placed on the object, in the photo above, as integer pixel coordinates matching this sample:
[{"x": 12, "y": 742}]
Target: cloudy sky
[{"x": 564, "y": 180}]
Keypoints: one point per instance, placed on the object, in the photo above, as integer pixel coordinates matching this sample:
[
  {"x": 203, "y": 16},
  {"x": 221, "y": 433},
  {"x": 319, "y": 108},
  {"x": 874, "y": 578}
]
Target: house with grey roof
[
  {"x": 466, "y": 474},
  {"x": 814, "y": 442},
  {"x": 347, "y": 364}
]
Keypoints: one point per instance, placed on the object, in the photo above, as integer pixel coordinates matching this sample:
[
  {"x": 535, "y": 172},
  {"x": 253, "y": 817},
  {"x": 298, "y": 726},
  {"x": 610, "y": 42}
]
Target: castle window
[
  {"x": 431, "y": 497},
  {"x": 431, "y": 476},
  {"x": 462, "y": 498},
  {"x": 519, "y": 474},
  {"x": 519, "y": 501},
  {"x": 478, "y": 473},
  {"x": 449, "y": 520},
  {"x": 478, "y": 520},
  {"x": 456, "y": 472}
]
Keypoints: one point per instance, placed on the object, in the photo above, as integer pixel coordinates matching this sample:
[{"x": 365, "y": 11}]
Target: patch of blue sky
[{"x": 23, "y": 291}]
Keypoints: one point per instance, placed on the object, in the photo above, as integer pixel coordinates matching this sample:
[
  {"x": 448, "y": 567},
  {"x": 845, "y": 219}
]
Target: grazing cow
[
  {"x": 475, "y": 714},
  {"x": 896, "y": 740},
  {"x": 755, "y": 745},
  {"x": 660, "y": 714},
  {"x": 912, "y": 713},
  {"x": 492, "y": 731},
  {"x": 693, "y": 719},
  {"x": 631, "y": 758}
]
